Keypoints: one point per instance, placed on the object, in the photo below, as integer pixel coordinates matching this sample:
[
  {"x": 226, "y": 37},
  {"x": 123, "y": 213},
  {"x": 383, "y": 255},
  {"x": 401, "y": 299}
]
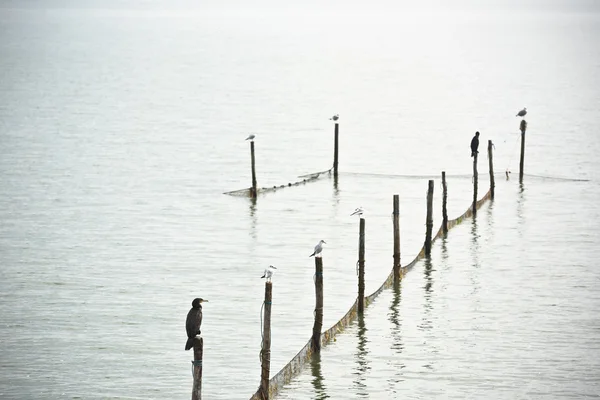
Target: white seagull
[
  {"x": 359, "y": 211},
  {"x": 521, "y": 113},
  {"x": 318, "y": 249},
  {"x": 251, "y": 137},
  {"x": 335, "y": 117},
  {"x": 268, "y": 273}
]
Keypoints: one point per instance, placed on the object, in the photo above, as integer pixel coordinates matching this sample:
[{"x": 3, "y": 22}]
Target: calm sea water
[{"x": 122, "y": 123}]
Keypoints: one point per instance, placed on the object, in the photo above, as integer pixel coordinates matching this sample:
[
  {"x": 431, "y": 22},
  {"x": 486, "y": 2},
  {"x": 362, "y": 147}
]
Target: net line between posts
[
  {"x": 305, "y": 179},
  {"x": 296, "y": 365}
]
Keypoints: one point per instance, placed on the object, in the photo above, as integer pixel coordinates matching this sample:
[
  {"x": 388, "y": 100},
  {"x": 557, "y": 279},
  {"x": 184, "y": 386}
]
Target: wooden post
[
  {"x": 198, "y": 344},
  {"x": 429, "y": 221},
  {"x": 361, "y": 266},
  {"x": 316, "y": 337},
  {"x": 491, "y": 161},
  {"x": 444, "y": 203},
  {"x": 475, "y": 178},
  {"x": 265, "y": 353},
  {"x": 253, "y": 189},
  {"x": 396, "y": 216},
  {"x": 523, "y": 128},
  {"x": 335, "y": 149}
]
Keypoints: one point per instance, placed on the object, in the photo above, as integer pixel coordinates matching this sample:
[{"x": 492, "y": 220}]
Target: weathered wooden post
[
  {"x": 316, "y": 337},
  {"x": 361, "y": 266},
  {"x": 265, "y": 352},
  {"x": 523, "y": 128},
  {"x": 253, "y": 189},
  {"x": 444, "y": 203},
  {"x": 429, "y": 221},
  {"x": 396, "y": 216},
  {"x": 475, "y": 178},
  {"x": 198, "y": 344},
  {"x": 335, "y": 149},
  {"x": 491, "y": 161}
]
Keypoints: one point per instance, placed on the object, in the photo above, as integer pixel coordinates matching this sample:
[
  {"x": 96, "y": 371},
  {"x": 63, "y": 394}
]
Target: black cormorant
[
  {"x": 193, "y": 321},
  {"x": 475, "y": 144}
]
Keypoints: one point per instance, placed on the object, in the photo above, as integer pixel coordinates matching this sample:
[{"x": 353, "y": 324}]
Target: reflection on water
[
  {"x": 362, "y": 359},
  {"x": 394, "y": 318},
  {"x": 427, "y": 305},
  {"x": 473, "y": 276},
  {"x": 253, "y": 217},
  {"x": 336, "y": 190},
  {"x": 317, "y": 381}
]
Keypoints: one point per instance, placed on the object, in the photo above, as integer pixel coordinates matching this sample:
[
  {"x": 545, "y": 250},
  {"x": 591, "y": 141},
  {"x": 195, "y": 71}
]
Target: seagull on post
[
  {"x": 251, "y": 137},
  {"x": 318, "y": 249},
  {"x": 522, "y": 112},
  {"x": 268, "y": 273},
  {"x": 335, "y": 118},
  {"x": 359, "y": 211}
]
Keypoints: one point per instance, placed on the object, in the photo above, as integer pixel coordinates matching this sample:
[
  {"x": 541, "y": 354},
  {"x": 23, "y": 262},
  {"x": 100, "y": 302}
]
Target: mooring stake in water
[
  {"x": 335, "y": 149},
  {"x": 197, "y": 367},
  {"x": 444, "y": 203},
  {"x": 265, "y": 352},
  {"x": 491, "y": 161},
  {"x": 396, "y": 215},
  {"x": 475, "y": 179},
  {"x": 523, "y": 128},
  {"x": 361, "y": 266},
  {"x": 318, "y": 325},
  {"x": 253, "y": 189},
  {"x": 429, "y": 220}
]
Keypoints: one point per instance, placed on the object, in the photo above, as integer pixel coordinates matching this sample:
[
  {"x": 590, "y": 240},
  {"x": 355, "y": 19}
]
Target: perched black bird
[
  {"x": 193, "y": 321},
  {"x": 475, "y": 144}
]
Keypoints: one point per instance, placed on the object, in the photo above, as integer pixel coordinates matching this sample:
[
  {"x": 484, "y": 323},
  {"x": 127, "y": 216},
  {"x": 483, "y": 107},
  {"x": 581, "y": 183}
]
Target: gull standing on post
[
  {"x": 318, "y": 249},
  {"x": 268, "y": 273},
  {"x": 251, "y": 137},
  {"x": 335, "y": 118},
  {"x": 359, "y": 211},
  {"x": 522, "y": 112}
]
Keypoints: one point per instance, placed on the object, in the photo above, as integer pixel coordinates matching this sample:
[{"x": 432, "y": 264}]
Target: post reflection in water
[
  {"x": 394, "y": 318},
  {"x": 427, "y": 307},
  {"x": 317, "y": 381},
  {"x": 362, "y": 359},
  {"x": 474, "y": 272},
  {"x": 336, "y": 190},
  {"x": 253, "y": 217}
]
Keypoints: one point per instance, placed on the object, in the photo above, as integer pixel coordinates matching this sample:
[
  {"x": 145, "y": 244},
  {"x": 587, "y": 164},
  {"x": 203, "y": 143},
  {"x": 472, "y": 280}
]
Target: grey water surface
[{"x": 122, "y": 123}]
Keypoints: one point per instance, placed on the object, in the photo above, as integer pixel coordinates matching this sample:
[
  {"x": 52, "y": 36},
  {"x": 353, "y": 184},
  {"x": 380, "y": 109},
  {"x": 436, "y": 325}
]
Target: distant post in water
[
  {"x": 253, "y": 189},
  {"x": 444, "y": 203},
  {"x": 361, "y": 266},
  {"x": 491, "y": 161},
  {"x": 429, "y": 221},
  {"x": 265, "y": 352},
  {"x": 335, "y": 149},
  {"x": 316, "y": 336},
  {"x": 197, "y": 385},
  {"x": 523, "y": 128},
  {"x": 475, "y": 178},
  {"x": 396, "y": 216}
]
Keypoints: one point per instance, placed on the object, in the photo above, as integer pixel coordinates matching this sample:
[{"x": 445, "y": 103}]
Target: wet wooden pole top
[
  {"x": 335, "y": 149},
  {"x": 491, "y": 161},
  {"x": 396, "y": 215},
  {"x": 523, "y": 128},
  {"x": 318, "y": 325},
  {"x": 198, "y": 344},
  {"x": 361, "y": 266},
  {"x": 429, "y": 220},
  {"x": 253, "y": 189},
  {"x": 475, "y": 179},
  {"x": 265, "y": 352},
  {"x": 444, "y": 203}
]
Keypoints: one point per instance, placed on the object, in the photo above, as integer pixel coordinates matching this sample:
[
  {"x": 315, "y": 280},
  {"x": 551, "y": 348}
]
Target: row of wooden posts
[
  {"x": 318, "y": 315},
  {"x": 265, "y": 353},
  {"x": 522, "y": 128}
]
